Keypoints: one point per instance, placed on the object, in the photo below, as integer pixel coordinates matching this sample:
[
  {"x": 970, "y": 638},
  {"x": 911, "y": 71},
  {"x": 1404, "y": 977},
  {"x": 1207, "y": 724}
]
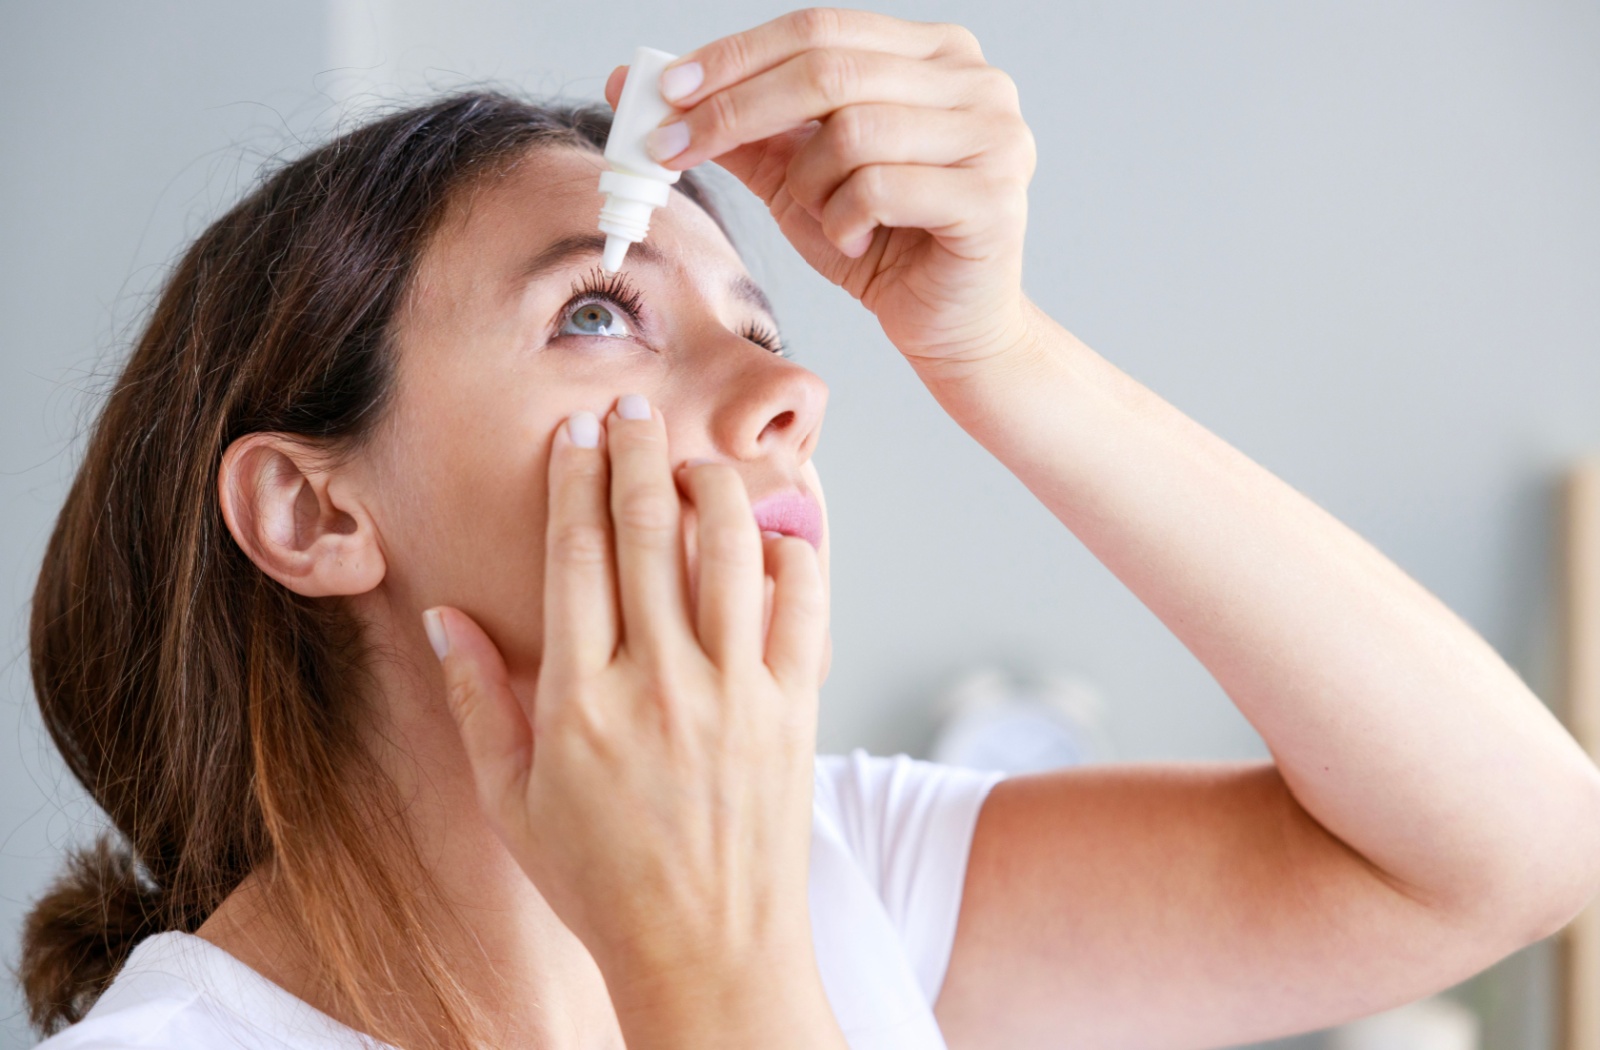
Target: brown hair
[{"x": 208, "y": 710}]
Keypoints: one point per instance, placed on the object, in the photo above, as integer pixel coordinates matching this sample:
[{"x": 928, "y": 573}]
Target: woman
[{"x": 387, "y": 410}]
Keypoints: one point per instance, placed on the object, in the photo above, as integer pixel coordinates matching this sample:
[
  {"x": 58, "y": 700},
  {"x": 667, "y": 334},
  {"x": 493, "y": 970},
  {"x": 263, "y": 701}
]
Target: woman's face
[{"x": 510, "y": 328}]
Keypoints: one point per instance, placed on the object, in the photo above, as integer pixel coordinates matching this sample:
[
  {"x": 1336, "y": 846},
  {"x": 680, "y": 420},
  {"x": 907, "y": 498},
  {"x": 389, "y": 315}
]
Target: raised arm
[{"x": 1425, "y": 815}]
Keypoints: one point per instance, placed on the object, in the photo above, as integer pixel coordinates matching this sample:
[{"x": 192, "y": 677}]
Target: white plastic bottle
[{"x": 636, "y": 185}]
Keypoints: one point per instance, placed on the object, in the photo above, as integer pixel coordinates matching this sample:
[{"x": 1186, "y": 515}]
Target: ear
[{"x": 296, "y": 518}]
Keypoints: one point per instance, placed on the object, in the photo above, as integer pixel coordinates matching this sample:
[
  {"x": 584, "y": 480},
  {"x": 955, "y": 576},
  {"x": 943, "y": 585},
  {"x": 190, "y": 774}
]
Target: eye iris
[{"x": 594, "y": 319}]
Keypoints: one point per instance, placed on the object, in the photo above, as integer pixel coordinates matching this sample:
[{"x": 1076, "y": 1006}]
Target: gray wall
[{"x": 1361, "y": 241}]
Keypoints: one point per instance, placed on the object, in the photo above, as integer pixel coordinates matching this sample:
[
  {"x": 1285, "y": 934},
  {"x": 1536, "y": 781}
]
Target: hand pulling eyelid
[{"x": 636, "y": 185}]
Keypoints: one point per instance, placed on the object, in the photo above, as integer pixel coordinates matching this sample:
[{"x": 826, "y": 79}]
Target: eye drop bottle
[{"x": 636, "y": 185}]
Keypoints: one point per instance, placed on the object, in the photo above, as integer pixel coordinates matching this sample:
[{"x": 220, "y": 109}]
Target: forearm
[{"x": 1392, "y": 722}]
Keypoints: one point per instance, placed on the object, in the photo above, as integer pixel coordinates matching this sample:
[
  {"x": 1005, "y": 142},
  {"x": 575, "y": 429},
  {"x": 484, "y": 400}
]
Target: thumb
[{"x": 495, "y": 730}]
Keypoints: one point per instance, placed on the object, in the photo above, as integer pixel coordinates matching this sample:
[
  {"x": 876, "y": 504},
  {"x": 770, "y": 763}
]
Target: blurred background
[{"x": 1358, "y": 240}]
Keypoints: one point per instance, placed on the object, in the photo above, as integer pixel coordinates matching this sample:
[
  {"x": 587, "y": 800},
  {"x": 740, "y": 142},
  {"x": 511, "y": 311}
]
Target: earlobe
[{"x": 292, "y": 516}]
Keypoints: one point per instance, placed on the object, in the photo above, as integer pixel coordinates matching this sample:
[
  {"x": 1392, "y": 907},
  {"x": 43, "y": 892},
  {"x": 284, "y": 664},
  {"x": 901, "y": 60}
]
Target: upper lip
[{"x": 792, "y": 512}]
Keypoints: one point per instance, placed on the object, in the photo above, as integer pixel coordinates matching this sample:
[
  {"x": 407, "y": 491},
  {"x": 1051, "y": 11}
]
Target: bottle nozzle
[
  {"x": 625, "y": 218},
  {"x": 616, "y": 251}
]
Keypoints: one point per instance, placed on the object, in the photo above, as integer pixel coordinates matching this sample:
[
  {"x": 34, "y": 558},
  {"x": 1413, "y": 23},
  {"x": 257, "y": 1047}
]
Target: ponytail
[{"x": 81, "y": 931}]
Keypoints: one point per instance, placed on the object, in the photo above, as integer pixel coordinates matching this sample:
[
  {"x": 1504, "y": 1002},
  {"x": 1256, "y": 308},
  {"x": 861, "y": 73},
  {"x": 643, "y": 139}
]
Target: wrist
[
  {"x": 1020, "y": 344},
  {"x": 1037, "y": 365},
  {"x": 773, "y": 1000}
]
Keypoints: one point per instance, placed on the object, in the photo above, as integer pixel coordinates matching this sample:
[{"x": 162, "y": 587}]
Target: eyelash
[{"x": 616, "y": 289}]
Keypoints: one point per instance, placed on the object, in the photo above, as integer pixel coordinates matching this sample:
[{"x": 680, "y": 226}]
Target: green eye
[{"x": 594, "y": 318}]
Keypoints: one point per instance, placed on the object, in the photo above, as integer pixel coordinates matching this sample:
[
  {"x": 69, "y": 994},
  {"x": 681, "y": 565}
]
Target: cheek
[{"x": 464, "y": 525}]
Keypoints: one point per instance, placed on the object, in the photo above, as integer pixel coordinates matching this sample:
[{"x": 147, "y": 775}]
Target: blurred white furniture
[
  {"x": 1012, "y": 723},
  {"x": 1431, "y": 1024}
]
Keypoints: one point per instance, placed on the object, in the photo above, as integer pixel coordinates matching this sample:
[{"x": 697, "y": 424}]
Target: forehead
[{"x": 495, "y": 225}]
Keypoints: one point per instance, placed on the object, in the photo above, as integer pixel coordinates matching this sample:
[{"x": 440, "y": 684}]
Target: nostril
[{"x": 782, "y": 420}]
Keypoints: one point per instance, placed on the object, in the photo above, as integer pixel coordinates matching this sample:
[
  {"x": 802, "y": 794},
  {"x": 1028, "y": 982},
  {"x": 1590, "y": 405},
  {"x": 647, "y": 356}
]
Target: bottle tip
[{"x": 616, "y": 251}]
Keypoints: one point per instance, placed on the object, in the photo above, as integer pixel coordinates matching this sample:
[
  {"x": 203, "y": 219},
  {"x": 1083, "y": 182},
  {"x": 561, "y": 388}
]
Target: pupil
[{"x": 594, "y": 317}]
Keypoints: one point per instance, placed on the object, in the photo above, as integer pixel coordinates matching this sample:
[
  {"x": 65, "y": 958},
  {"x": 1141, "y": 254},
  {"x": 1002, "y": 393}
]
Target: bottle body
[{"x": 636, "y": 185}]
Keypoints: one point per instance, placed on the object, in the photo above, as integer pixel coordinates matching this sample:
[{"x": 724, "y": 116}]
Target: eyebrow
[{"x": 562, "y": 253}]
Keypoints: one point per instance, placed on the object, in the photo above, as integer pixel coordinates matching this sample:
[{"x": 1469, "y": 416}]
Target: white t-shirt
[{"x": 889, "y": 845}]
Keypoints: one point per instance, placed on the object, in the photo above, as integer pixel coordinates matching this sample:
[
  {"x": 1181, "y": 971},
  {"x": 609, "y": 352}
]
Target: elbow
[
  {"x": 1529, "y": 884},
  {"x": 1561, "y": 877}
]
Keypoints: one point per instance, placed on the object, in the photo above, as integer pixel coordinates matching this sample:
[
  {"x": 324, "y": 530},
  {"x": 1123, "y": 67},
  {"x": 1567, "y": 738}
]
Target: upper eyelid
[
  {"x": 589, "y": 297},
  {"x": 763, "y": 319}
]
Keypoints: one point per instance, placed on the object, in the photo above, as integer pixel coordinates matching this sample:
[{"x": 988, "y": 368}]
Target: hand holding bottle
[{"x": 893, "y": 157}]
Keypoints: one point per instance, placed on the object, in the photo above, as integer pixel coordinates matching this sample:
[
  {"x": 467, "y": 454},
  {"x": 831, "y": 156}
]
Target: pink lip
[{"x": 791, "y": 513}]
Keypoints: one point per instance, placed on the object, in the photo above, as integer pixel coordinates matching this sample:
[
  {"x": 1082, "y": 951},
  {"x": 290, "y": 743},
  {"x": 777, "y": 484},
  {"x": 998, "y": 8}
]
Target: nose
[{"x": 770, "y": 408}]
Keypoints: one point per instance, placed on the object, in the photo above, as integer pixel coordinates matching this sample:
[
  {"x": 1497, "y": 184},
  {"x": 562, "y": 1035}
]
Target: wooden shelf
[{"x": 1581, "y": 658}]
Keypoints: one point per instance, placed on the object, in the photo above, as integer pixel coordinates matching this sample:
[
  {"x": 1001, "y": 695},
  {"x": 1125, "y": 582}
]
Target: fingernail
[
  {"x": 633, "y": 406},
  {"x": 679, "y": 81},
  {"x": 584, "y": 429},
  {"x": 433, "y": 623},
  {"x": 667, "y": 141},
  {"x": 858, "y": 247},
  {"x": 768, "y": 534}
]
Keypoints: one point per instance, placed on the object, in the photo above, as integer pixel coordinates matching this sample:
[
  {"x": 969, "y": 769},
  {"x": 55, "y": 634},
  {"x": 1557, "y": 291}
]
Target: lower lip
[{"x": 793, "y": 515}]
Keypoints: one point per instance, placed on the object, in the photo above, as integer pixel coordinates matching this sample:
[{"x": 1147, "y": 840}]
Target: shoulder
[
  {"x": 880, "y": 804},
  {"x": 180, "y": 992},
  {"x": 145, "y": 1006},
  {"x": 906, "y": 826}
]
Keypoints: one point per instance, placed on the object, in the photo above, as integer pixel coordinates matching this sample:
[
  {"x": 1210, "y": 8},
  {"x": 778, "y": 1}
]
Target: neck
[{"x": 529, "y": 976}]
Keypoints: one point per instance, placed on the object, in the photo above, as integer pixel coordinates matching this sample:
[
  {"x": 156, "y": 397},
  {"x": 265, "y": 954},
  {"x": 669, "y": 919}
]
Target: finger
[
  {"x": 965, "y": 207},
  {"x": 730, "y": 570},
  {"x": 799, "y": 612},
  {"x": 740, "y": 56},
  {"x": 807, "y": 87},
  {"x": 882, "y": 133},
  {"x": 614, "y": 85},
  {"x": 646, "y": 521},
  {"x": 581, "y": 625},
  {"x": 766, "y": 595},
  {"x": 495, "y": 731}
]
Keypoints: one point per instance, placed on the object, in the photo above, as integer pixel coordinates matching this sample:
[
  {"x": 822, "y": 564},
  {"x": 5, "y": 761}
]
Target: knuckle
[
  {"x": 960, "y": 39},
  {"x": 583, "y": 720},
  {"x": 661, "y": 687},
  {"x": 803, "y": 584},
  {"x": 732, "y": 53},
  {"x": 834, "y": 73},
  {"x": 721, "y": 112},
  {"x": 581, "y": 477},
  {"x": 728, "y": 543},
  {"x": 849, "y": 131},
  {"x": 579, "y": 543},
  {"x": 584, "y": 468},
  {"x": 998, "y": 85},
  {"x": 458, "y": 693},
  {"x": 646, "y": 511},
  {"x": 872, "y": 183},
  {"x": 1016, "y": 130},
  {"x": 574, "y": 709},
  {"x": 1027, "y": 153},
  {"x": 1011, "y": 151},
  {"x": 816, "y": 26}
]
